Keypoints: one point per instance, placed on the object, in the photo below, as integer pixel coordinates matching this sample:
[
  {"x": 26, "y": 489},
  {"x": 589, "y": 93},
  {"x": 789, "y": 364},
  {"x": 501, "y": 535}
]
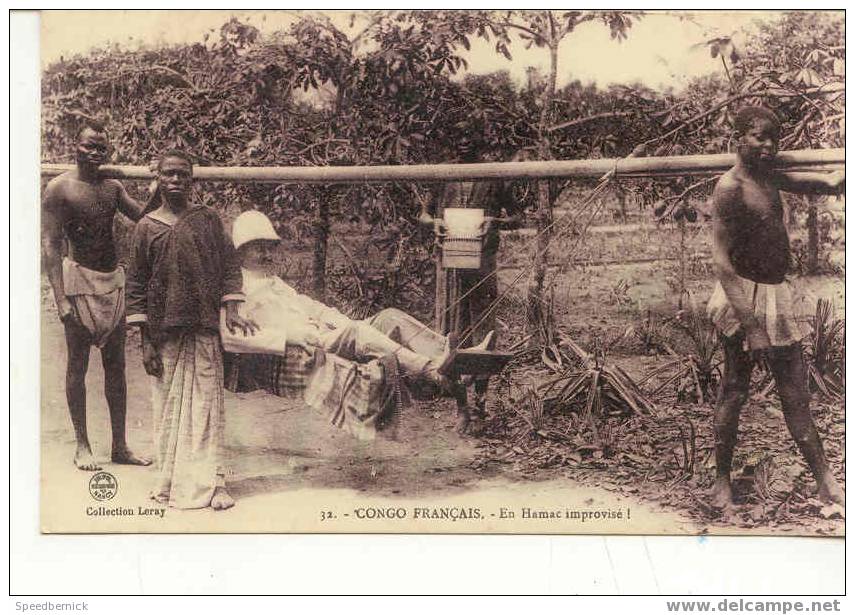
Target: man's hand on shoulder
[
  {"x": 126, "y": 204},
  {"x": 837, "y": 181}
]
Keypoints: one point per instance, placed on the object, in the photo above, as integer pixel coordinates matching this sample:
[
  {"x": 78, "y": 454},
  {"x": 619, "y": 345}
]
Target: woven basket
[{"x": 461, "y": 252}]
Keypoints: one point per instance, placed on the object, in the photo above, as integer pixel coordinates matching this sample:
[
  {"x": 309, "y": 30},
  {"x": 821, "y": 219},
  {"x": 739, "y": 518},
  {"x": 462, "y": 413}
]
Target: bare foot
[
  {"x": 829, "y": 490},
  {"x": 722, "y": 494},
  {"x": 160, "y": 498},
  {"x": 488, "y": 343},
  {"x": 222, "y": 500},
  {"x": 126, "y": 456},
  {"x": 84, "y": 460}
]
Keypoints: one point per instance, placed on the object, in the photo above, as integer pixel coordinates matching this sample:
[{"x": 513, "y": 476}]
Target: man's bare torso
[
  {"x": 760, "y": 247},
  {"x": 87, "y": 212}
]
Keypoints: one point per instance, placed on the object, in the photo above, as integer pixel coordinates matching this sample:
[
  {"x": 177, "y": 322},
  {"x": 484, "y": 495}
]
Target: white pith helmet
[{"x": 252, "y": 225}]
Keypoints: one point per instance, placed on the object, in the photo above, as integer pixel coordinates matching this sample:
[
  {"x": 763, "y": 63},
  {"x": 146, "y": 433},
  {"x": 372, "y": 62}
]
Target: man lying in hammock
[{"x": 284, "y": 316}]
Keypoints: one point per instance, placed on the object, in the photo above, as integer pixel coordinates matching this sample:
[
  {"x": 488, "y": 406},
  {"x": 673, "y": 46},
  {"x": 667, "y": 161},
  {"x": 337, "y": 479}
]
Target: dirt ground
[
  {"x": 607, "y": 306},
  {"x": 287, "y": 464},
  {"x": 288, "y": 467}
]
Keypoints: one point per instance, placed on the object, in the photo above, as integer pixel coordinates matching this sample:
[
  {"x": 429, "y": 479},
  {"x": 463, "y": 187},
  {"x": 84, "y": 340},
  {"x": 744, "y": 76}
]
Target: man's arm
[
  {"x": 725, "y": 204},
  {"x": 264, "y": 340},
  {"x": 128, "y": 205},
  {"x": 277, "y": 322},
  {"x": 322, "y": 313},
  {"x": 512, "y": 208},
  {"x": 136, "y": 300},
  {"x": 430, "y": 207},
  {"x": 232, "y": 286},
  {"x": 812, "y": 182},
  {"x": 508, "y": 211},
  {"x": 53, "y": 217},
  {"x": 137, "y": 279}
]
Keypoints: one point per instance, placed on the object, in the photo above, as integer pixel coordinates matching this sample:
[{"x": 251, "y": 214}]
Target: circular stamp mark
[{"x": 103, "y": 486}]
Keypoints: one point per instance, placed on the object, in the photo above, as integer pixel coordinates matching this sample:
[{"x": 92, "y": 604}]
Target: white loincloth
[
  {"x": 98, "y": 298},
  {"x": 780, "y": 313}
]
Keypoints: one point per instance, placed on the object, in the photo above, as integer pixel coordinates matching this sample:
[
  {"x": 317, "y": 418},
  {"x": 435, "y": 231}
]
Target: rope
[
  {"x": 495, "y": 304},
  {"x": 604, "y": 181}
]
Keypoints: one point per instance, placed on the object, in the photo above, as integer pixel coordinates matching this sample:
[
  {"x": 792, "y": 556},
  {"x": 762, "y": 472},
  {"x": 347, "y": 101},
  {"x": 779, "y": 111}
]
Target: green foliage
[
  {"x": 305, "y": 96},
  {"x": 694, "y": 375},
  {"x": 798, "y": 64},
  {"x": 826, "y": 352},
  {"x": 314, "y": 95}
]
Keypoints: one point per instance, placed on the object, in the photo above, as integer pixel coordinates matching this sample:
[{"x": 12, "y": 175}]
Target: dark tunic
[{"x": 180, "y": 274}]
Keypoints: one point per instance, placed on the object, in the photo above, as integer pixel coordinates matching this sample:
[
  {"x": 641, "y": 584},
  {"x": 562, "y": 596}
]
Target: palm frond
[
  {"x": 694, "y": 375},
  {"x": 826, "y": 351}
]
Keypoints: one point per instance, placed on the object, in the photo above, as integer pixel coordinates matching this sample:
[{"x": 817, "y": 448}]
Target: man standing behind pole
[
  {"x": 183, "y": 269},
  {"x": 88, "y": 285},
  {"x": 465, "y": 298}
]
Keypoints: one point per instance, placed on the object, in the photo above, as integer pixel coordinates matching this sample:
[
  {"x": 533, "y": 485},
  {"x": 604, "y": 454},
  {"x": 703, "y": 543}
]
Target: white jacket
[{"x": 283, "y": 315}]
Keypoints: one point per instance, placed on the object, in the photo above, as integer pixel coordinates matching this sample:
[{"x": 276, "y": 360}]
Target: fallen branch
[{"x": 605, "y": 386}]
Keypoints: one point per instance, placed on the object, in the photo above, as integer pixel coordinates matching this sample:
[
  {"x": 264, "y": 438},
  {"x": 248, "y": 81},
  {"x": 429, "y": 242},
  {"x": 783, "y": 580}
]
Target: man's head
[
  {"x": 92, "y": 145},
  {"x": 758, "y": 131},
  {"x": 258, "y": 255},
  {"x": 175, "y": 176},
  {"x": 255, "y": 240},
  {"x": 467, "y": 150}
]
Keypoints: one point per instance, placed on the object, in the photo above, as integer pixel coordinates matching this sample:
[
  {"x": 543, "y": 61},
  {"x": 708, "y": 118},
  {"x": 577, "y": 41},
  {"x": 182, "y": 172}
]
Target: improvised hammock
[{"x": 605, "y": 169}]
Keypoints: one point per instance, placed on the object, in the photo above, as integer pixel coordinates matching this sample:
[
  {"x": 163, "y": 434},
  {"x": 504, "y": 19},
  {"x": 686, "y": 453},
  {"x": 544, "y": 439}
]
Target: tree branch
[
  {"x": 375, "y": 19},
  {"x": 700, "y": 116},
  {"x": 509, "y": 24},
  {"x": 590, "y": 118},
  {"x": 693, "y": 187},
  {"x": 156, "y": 67}
]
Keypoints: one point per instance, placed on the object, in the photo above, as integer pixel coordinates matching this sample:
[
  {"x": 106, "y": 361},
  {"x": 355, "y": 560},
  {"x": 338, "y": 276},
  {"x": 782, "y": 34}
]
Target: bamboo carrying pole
[{"x": 666, "y": 166}]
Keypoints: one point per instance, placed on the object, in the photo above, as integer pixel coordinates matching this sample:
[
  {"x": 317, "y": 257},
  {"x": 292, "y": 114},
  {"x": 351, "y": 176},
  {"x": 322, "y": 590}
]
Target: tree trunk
[
  {"x": 682, "y": 224},
  {"x": 622, "y": 204},
  {"x": 812, "y": 264},
  {"x": 536, "y": 306},
  {"x": 791, "y": 213},
  {"x": 538, "y": 317},
  {"x": 319, "y": 261}
]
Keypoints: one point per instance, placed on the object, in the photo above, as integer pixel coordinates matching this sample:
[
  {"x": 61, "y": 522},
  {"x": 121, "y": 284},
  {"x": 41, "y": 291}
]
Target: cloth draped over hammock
[{"x": 360, "y": 398}]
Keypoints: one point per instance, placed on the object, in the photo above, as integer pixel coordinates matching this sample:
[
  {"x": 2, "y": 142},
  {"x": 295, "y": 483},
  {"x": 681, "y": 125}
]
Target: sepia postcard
[{"x": 461, "y": 272}]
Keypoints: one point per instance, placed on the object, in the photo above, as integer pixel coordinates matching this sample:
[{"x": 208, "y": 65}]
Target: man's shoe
[{"x": 488, "y": 343}]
